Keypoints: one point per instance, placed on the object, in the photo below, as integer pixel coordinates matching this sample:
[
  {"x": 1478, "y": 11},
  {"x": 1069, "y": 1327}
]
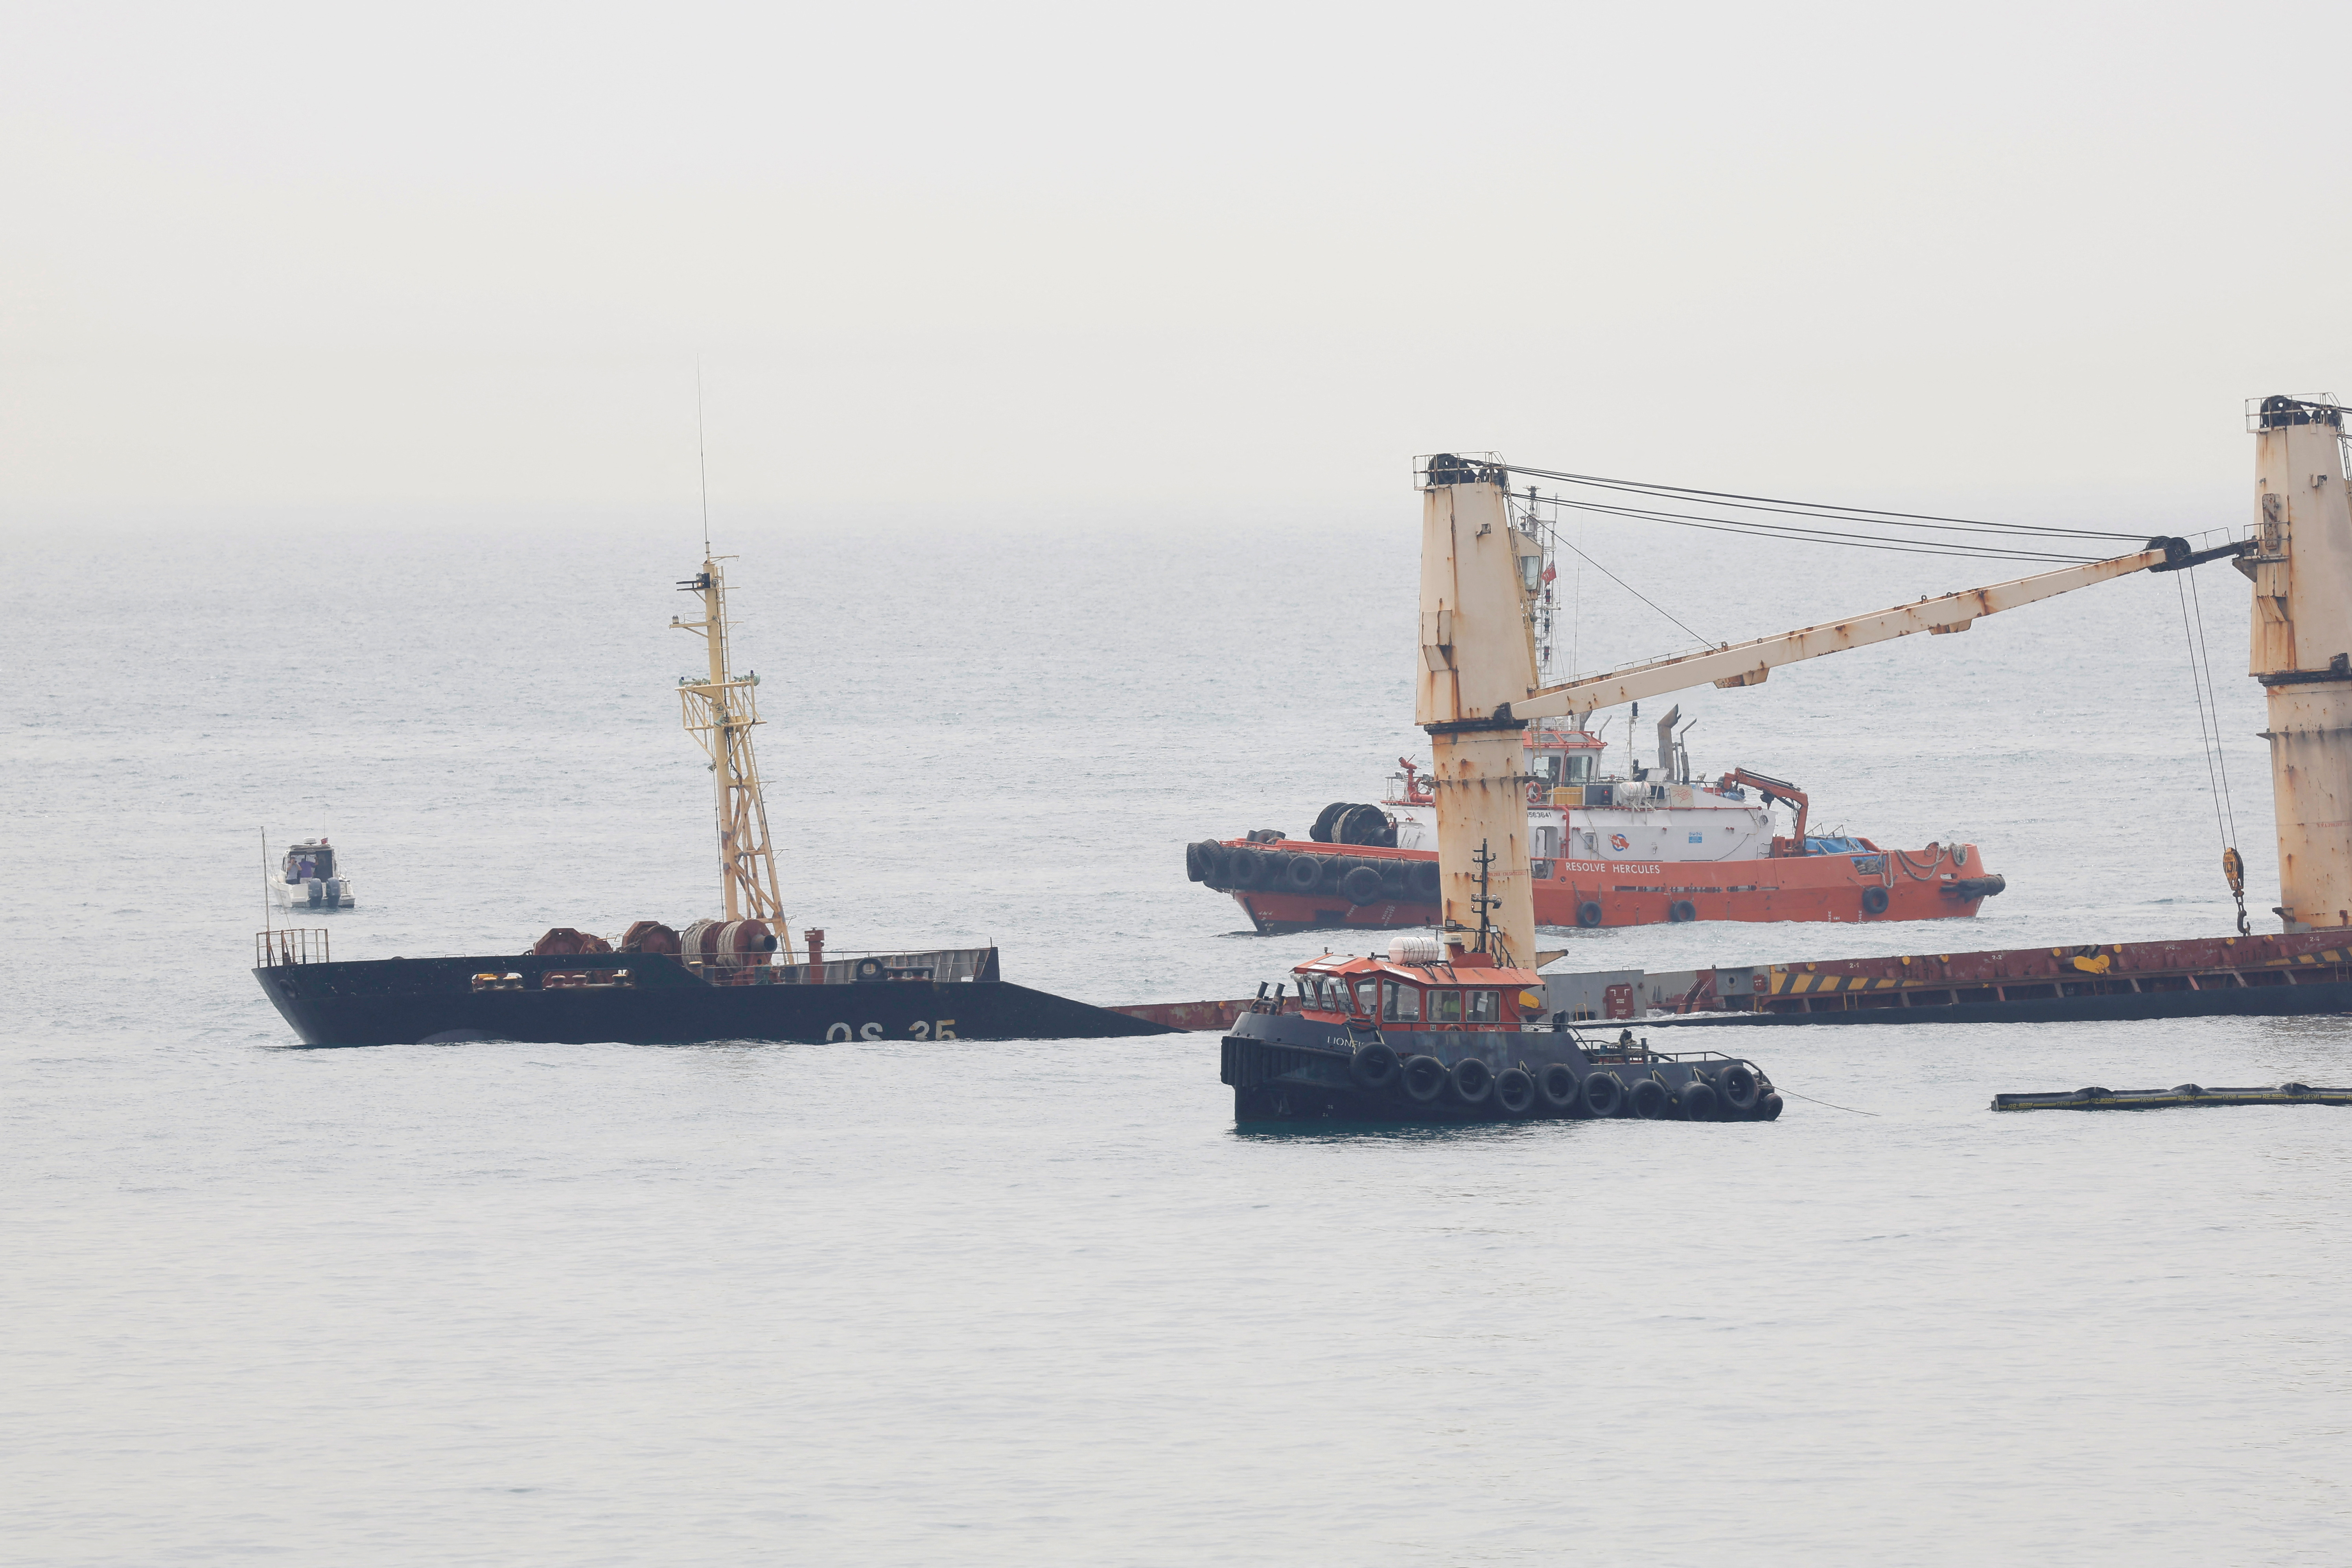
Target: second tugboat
[{"x": 1451, "y": 1026}]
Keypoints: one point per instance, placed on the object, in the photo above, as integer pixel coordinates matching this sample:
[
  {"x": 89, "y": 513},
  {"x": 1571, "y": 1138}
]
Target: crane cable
[
  {"x": 2209, "y": 735},
  {"x": 1864, "y": 528}
]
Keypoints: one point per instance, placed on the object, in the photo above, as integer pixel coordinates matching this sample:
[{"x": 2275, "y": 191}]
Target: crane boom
[{"x": 1748, "y": 663}]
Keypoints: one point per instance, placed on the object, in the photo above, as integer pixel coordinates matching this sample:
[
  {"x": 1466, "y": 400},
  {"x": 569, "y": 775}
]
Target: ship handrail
[{"x": 287, "y": 946}]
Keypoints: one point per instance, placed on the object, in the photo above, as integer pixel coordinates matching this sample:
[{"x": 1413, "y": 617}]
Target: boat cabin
[
  {"x": 308, "y": 863},
  {"x": 1469, "y": 994}
]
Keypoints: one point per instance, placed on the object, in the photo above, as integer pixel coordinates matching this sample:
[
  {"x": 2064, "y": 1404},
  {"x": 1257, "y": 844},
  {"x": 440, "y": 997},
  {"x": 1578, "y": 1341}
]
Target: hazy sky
[{"x": 1060, "y": 261}]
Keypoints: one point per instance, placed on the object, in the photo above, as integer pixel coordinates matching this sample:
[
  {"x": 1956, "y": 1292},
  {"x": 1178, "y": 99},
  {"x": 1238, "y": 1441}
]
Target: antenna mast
[
  {"x": 718, "y": 712},
  {"x": 702, "y": 459}
]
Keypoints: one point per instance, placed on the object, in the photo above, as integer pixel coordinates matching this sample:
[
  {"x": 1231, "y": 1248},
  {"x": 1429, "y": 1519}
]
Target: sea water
[{"x": 1003, "y": 1303}]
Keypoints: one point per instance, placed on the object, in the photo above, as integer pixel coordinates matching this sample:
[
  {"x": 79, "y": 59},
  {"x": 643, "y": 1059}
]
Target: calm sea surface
[{"x": 914, "y": 1303}]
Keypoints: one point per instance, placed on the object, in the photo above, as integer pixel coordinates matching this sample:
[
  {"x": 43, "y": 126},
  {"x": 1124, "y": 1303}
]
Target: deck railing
[{"x": 287, "y": 946}]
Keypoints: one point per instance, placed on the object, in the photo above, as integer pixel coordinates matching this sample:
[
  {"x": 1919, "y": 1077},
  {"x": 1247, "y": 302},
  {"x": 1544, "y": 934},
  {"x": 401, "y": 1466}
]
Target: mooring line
[{"x": 1779, "y": 1089}]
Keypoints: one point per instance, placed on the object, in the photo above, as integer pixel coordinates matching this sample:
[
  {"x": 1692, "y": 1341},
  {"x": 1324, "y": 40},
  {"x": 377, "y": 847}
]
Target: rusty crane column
[
  {"x": 2302, "y": 653},
  {"x": 1478, "y": 657}
]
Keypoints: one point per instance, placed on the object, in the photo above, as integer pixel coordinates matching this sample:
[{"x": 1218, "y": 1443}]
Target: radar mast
[{"x": 720, "y": 713}]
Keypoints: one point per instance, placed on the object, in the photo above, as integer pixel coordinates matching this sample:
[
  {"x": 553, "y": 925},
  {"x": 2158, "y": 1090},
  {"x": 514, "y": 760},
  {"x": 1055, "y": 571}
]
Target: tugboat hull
[
  {"x": 1868, "y": 887},
  {"x": 651, "y": 999},
  {"x": 1284, "y": 1068}
]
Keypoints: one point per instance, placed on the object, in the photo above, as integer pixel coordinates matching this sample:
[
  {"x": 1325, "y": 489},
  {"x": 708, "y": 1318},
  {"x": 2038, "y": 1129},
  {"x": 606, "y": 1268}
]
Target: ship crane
[
  {"x": 720, "y": 713},
  {"x": 1477, "y": 688}
]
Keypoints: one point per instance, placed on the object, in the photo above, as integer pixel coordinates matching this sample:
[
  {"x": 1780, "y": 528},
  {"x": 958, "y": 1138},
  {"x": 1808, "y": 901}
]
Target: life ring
[
  {"x": 1375, "y": 1066},
  {"x": 1604, "y": 1095},
  {"x": 1515, "y": 1091},
  {"x": 1588, "y": 913},
  {"x": 869, "y": 969},
  {"x": 1681, "y": 911},
  {"x": 1425, "y": 1078},
  {"x": 1472, "y": 1080},
  {"x": 1737, "y": 1087},
  {"x": 1645, "y": 1098},
  {"x": 1696, "y": 1101},
  {"x": 1557, "y": 1086},
  {"x": 1874, "y": 900}
]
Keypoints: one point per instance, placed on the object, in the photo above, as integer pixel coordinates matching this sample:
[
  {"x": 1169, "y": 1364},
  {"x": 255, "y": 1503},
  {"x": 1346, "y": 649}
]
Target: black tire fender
[
  {"x": 1588, "y": 913},
  {"x": 1604, "y": 1095},
  {"x": 1472, "y": 1079},
  {"x": 1425, "y": 1078},
  {"x": 1681, "y": 911},
  {"x": 1515, "y": 1091},
  {"x": 1736, "y": 1086},
  {"x": 1645, "y": 1098},
  {"x": 1874, "y": 900},
  {"x": 869, "y": 969},
  {"x": 1375, "y": 1067},
  {"x": 1362, "y": 886},
  {"x": 1769, "y": 1108},
  {"x": 1696, "y": 1101},
  {"x": 1245, "y": 869},
  {"x": 1557, "y": 1086},
  {"x": 1198, "y": 866},
  {"x": 1305, "y": 872},
  {"x": 1427, "y": 881}
]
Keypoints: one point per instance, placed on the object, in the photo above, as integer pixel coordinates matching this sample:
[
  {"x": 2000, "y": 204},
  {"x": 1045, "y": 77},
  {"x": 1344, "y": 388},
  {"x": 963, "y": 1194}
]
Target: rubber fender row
[
  {"x": 1732, "y": 1092},
  {"x": 1361, "y": 881}
]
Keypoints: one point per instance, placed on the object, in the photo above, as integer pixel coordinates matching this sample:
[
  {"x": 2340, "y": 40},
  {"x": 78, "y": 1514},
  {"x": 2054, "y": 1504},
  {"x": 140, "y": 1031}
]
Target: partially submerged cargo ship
[{"x": 736, "y": 975}]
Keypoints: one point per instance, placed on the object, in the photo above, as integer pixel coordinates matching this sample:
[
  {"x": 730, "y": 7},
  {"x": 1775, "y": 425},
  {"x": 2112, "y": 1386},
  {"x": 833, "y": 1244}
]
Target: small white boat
[{"x": 307, "y": 880}]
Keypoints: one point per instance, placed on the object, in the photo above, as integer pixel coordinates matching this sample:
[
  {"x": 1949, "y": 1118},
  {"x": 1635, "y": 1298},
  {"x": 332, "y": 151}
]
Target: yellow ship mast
[{"x": 719, "y": 714}]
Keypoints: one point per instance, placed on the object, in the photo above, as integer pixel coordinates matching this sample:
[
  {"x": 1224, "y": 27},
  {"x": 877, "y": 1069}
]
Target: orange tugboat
[{"x": 1657, "y": 848}]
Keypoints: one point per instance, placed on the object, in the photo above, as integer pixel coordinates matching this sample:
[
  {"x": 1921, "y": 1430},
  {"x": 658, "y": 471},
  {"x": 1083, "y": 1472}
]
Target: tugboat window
[
  {"x": 1580, "y": 769},
  {"x": 1445, "y": 1007},
  {"x": 1485, "y": 1006},
  {"x": 1368, "y": 998},
  {"x": 1400, "y": 1002}
]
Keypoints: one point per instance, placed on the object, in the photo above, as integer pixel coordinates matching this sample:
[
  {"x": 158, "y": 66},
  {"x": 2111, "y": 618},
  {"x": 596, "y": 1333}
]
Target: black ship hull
[
  {"x": 1284, "y": 1068},
  {"x": 651, "y": 999},
  {"x": 2250, "y": 1002}
]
